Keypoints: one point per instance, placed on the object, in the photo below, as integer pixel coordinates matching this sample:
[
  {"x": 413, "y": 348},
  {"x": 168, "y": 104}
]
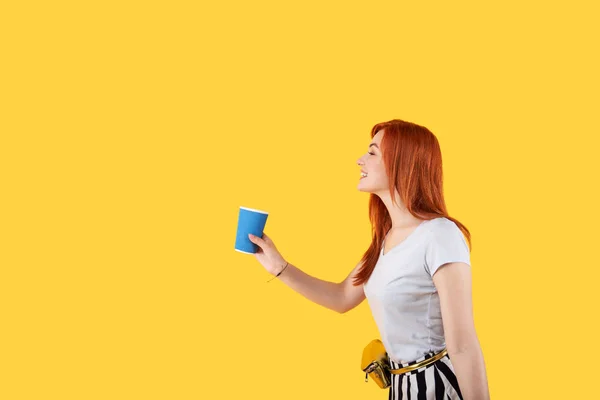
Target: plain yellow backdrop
[{"x": 131, "y": 132}]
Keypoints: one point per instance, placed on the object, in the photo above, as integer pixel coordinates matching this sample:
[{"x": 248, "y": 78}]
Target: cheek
[
  {"x": 380, "y": 175},
  {"x": 378, "y": 169}
]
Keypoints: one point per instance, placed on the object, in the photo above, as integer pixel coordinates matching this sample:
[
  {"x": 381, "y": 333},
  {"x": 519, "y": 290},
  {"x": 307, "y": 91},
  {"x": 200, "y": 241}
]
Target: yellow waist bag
[{"x": 376, "y": 364}]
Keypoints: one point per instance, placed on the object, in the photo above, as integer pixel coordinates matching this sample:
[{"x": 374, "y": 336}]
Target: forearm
[
  {"x": 469, "y": 368},
  {"x": 325, "y": 293}
]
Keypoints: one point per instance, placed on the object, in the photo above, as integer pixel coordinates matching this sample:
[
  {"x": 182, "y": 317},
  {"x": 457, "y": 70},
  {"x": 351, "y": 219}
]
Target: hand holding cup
[{"x": 267, "y": 254}]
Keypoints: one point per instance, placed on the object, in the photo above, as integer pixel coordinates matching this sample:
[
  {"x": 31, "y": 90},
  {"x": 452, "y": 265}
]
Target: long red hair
[{"x": 413, "y": 163}]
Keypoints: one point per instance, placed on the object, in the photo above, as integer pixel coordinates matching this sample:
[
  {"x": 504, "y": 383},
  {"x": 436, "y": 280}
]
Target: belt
[{"x": 420, "y": 364}]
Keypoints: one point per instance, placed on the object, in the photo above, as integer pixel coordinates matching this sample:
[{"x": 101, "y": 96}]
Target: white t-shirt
[{"x": 400, "y": 291}]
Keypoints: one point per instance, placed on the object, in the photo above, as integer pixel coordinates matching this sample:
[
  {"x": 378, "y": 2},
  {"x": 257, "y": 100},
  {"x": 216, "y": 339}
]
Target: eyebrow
[{"x": 373, "y": 144}]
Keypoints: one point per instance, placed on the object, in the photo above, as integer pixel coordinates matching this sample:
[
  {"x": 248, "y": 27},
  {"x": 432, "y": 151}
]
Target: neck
[{"x": 401, "y": 217}]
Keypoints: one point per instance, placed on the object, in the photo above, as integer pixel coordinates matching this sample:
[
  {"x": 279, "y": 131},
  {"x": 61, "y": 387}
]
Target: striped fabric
[{"x": 433, "y": 382}]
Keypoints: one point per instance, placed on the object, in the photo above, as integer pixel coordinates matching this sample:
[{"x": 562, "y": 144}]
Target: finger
[{"x": 256, "y": 239}]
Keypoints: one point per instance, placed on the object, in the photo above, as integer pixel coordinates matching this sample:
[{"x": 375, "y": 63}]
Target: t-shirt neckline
[{"x": 403, "y": 241}]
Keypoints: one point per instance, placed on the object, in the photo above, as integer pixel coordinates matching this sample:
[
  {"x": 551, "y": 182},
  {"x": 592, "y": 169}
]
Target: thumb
[{"x": 255, "y": 239}]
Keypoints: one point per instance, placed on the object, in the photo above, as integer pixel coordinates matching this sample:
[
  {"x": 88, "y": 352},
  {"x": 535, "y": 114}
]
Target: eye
[{"x": 371, "y": 153}]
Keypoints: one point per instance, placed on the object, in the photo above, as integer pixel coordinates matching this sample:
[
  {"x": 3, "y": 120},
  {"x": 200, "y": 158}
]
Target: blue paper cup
[{"x": 249, "y": 221}]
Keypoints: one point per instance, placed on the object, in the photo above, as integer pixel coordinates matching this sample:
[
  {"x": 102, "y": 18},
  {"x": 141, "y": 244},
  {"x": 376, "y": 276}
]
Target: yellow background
[{"x": 131, "y": 132}]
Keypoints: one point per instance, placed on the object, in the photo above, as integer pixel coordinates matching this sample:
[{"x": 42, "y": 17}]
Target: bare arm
[
  {"x": 453, "y": 283},
  {"x": 353, "y": 295},
  {"x": 340, "y": 297}
]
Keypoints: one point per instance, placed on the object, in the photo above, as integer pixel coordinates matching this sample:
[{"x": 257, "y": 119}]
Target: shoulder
[
  {"x": 442, "y": 228},
  {"x": 440, "y": 224}
]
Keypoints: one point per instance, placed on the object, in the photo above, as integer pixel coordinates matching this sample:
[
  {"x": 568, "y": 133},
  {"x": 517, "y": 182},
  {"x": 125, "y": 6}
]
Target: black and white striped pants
[{"x": 435, "y": 381}]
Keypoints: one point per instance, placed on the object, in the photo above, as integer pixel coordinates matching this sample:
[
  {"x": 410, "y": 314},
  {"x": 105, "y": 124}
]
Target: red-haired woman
[{"x": 415, "y": 274}]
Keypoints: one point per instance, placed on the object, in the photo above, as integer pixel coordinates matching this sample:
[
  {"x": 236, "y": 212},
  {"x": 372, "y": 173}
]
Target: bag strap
[{"x": 420, "y": 364}]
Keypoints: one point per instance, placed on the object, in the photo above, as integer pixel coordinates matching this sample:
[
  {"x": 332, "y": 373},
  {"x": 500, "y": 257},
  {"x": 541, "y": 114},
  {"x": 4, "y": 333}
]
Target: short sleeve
[{"x": 446, "y": 244}]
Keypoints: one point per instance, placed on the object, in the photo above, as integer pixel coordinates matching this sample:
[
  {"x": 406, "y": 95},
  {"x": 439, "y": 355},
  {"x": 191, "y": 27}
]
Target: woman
[{"x": 416, "y": 273}]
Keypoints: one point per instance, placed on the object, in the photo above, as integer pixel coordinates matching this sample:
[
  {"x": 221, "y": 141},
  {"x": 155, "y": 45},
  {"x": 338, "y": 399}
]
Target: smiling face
[{"x": 372, "y": 163}]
